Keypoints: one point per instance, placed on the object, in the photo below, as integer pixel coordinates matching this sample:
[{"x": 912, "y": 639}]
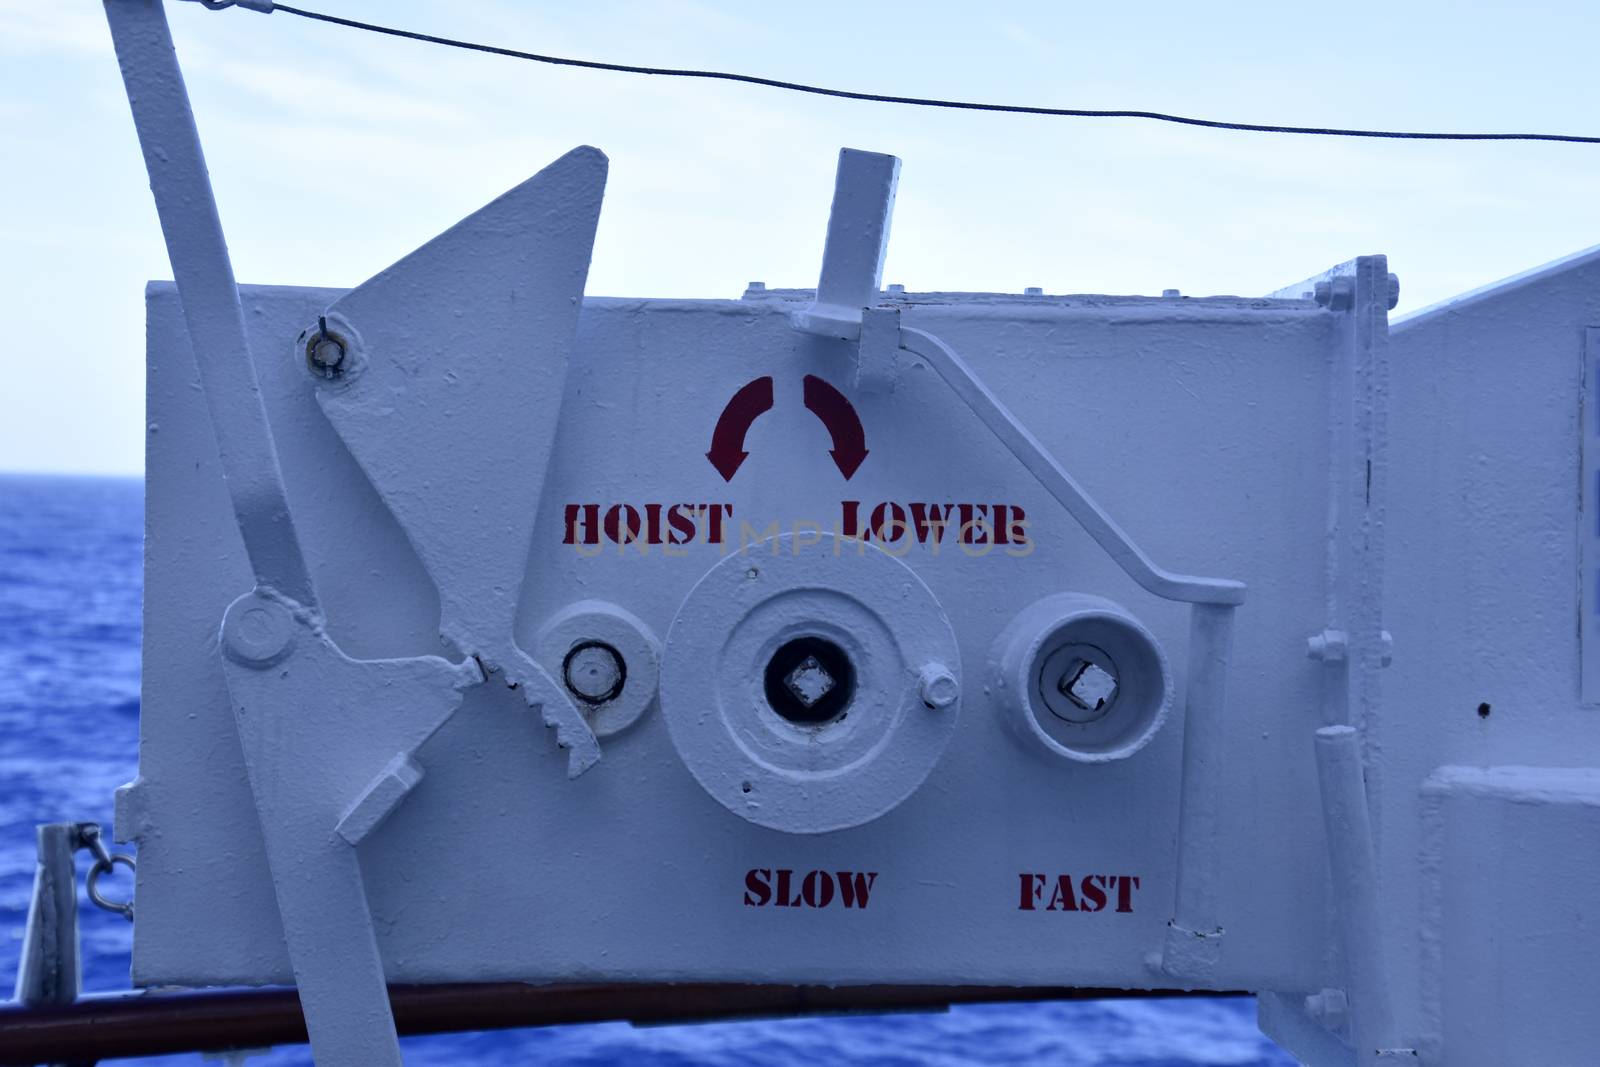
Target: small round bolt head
[
  {"x": 594, "y": 672},
  {"x": 939, "y": 687},
  {"x": 258, "y": 632}
]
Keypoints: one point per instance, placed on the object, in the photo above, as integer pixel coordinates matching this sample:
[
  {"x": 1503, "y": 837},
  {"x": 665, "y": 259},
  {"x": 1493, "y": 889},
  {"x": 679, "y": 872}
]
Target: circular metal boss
[
  {"x": 607, "y": 658},
  {"x": 1080, "y": 678},
  {"x": 794, "y": 679},
  {"x": 258, "y": 632}
]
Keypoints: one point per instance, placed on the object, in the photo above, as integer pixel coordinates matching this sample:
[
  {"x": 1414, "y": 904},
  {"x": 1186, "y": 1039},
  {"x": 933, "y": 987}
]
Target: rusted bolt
[{"x": 326, "y": 351}]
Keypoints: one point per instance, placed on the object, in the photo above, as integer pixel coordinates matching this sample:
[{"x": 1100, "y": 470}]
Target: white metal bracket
[
  {"x": 858, "y": 232},
  {"x": 329, "y": 744},
  {"x": 448, "y": 390},
  {"x": 858, "y": 239}
]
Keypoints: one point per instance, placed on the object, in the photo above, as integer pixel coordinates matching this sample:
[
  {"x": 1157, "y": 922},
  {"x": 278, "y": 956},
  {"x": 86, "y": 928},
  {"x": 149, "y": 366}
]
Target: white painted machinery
[{"x": 849, "y": 679}]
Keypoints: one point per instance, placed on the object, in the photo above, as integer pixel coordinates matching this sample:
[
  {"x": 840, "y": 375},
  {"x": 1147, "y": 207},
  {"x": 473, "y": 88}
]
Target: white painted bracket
[
  {"x": 447, "y": 392},
  {"x": 318, "y": 730},
  {"x": 1284, "y": 1018},
  {"x": 878, "y": 361},
  {"x": 858, "y": 239},
  {"x": 1193, "y": 945},
  {"x": 378, "y": 801},
  {"x": 852, "y": 268}
]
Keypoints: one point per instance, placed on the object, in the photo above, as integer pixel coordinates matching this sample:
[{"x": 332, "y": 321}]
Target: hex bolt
[
  {"x": 1329, "y": 646},
  {"x": 939, "y": 687},
  {"x": 594, "y": 672},
  {"x": 1336, "y": 294}
]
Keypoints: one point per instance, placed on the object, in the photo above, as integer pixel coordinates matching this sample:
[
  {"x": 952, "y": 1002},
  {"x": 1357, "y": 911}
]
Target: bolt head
[
  {"x": 594, "y": 673},
  {"x": 1336, "y": 294},
  {"x": 939, "y": 687},
  {"x": 1329, "y": 646},
  {"x": 258, "y": 632}
]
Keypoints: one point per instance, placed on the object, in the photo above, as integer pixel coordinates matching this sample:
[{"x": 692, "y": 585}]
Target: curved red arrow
[
  {"x": 844, "y": 426},
  {"x": 727, "y": 440}
]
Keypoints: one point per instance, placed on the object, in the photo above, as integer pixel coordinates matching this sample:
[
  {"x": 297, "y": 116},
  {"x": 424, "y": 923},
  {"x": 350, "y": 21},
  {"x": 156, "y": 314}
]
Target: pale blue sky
[{"x": 334, "y": 152}]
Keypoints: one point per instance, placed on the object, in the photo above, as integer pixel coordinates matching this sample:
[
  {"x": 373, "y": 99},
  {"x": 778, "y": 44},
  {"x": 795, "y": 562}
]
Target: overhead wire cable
[{"x": 888, "y": 98}]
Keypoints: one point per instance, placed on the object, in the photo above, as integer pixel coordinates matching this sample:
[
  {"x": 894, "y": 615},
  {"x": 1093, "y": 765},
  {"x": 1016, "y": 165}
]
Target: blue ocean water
[{"x": 70, "y": 585}]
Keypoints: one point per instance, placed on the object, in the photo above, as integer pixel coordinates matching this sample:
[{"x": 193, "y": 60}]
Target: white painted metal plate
[{"x": 633, "y": 871}]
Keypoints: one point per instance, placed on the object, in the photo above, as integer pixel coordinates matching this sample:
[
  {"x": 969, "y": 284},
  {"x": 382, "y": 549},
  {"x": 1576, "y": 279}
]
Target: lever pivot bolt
[
  {"x": 258, "y": 632},
  {"x": 594, "y": 672},
  {"x": 326, "y": 351}
]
